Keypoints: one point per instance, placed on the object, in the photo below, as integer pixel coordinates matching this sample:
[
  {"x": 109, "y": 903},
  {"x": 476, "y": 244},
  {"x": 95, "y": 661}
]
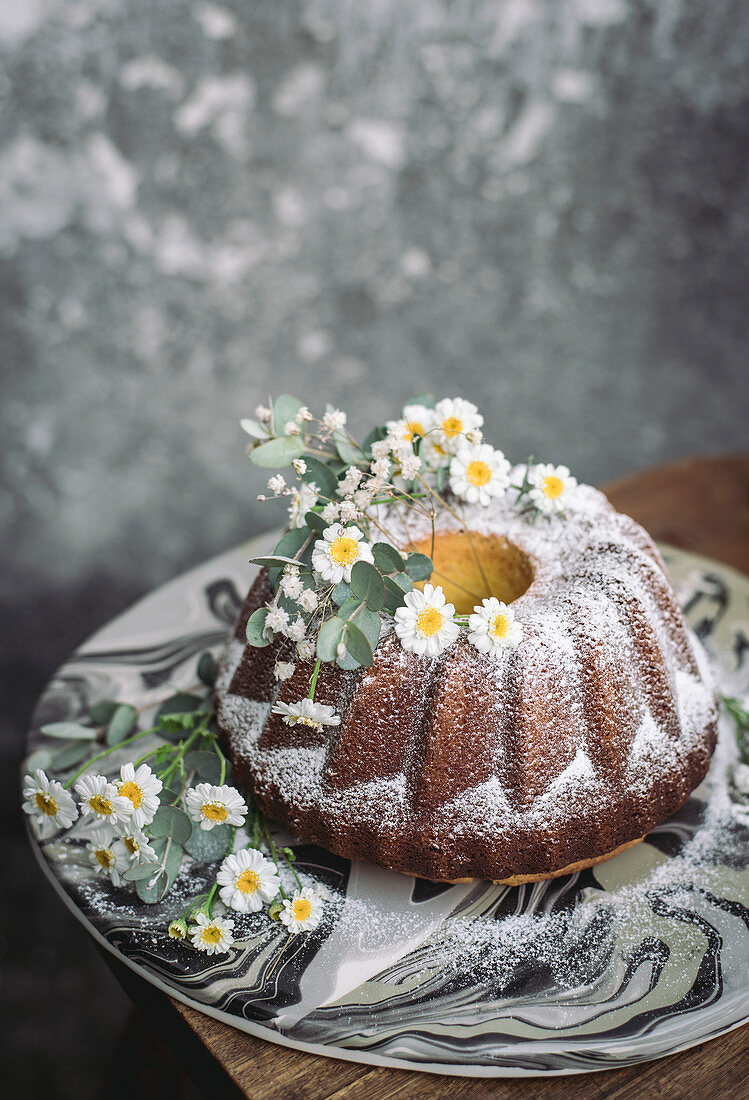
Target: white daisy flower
[
  {"x": 453, "y": 417},
  {"x": 478, "y": 473},
  {"x": 48, "y": 803},
  {"x": 416, "y": 421},
  {"x": 247, "y": 879},
  {"x": 426, "y": 625},
  {"x": 308, "y": 600},
  {"x": 330, "y": 512},
  {"x": 291, "y": 584},
  {"x": 338, "y": 551},
  {"x": 296, "y": 630},
  {"x": 210, "y": 805},
  {"x": 284, "y": 670},
  {"x": 334, "y": 420},
  {"x": 552, "y": 487},
  {"x": 305, "y": 650},
  {"x": 107, "y": 858},
  {"x": 493, "y": 627},
  {"x": 302, "y": 912},
  {"x": 214, "y": 935},
  {"x": 277, "y": 484},
  {"x": 100, "y": 798},
  {"x": 142, "y": 789},
  {"x": 137, "y": 847},
  {"x": 276, "y": 620},
  {"x": 434, "y": 455},
  {"x": 302, "y": 499},
  {"x": 307, "y": 713}
]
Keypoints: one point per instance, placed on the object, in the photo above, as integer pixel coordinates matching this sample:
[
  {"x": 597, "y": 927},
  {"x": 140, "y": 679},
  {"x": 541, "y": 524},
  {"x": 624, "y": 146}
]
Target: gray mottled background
[{"x": 542, "y": 205}]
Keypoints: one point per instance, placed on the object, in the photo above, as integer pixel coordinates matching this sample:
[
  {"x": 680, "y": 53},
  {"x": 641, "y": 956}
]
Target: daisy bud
[
  {"x": 275, "y": 910},
  {"x": 340, "y": 650},
  {"x": 178, "y": 928}
]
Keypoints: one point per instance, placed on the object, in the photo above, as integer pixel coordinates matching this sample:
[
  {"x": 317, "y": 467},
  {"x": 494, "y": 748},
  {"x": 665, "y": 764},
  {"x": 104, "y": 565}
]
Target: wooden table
[{"x": 700, "y": 505}]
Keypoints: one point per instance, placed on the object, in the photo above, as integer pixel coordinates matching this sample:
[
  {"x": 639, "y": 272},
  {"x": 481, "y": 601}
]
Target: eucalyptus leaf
[
  {"x": 317, "y": 473},
  {"x": 440, "y": 478},
  {"x": 69, "y": 731},
  {"x": 277, "y": 453},
  {"x": 387, "y": 559},
  {"x": 395, "y": 589},
  {"x": 331, "y": 633},
  {"x": 373, "y": 437},
  {"x": 274, "y": 560},
  {"x": 122, "y": 724},
  {"x": 350, "y": 453},
  {"x": 425, "y": 399},
  {"x": 346, "y": 610},
  {"x": 101, "y": 713},
  {"x": 207, "y": 845},
  {"x": 206, "y": 764},
  {"x": 173, "y": 822},
  {"x": 170, "y": 853},
  {"x": 169, "y": 795},
  {"x": 316, "y": 522},
  {"x": 341, "y": 593},
  {"x": 285, "y": 409},
  {"x": 291, "y": 543},
  {"x": 257, "y": 431},
  {"x": 207, "y": 669},
  {"x": 181, "y": 703},
  {"x": 366, "y": 583},
  {"x": 358, "y": 645},
  {"x": 140, "y": 871},
  {"x": 255, "y": 628},
  {"x": 419, "y": 567},
  {"x": 369, "y": 623},
  {"x": 72, "y": 754},
  {"x": 42, "y": 758}
]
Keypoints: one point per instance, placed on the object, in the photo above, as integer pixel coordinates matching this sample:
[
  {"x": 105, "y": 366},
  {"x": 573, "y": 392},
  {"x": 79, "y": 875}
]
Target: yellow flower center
[
  {"x": 248, "y": 882},
  {"x": 452, "y": 426},
  {"x": 429, "y": 621},
  {"x": 131, "y": 844},
  {"x": 132, "y": 791},
  {"x": 46, "y": 803},
  {"x": 301, "y": 909},
  {"x": 101, "y": 805},
  {"x": 305, "y": 720},
  {"x": 344, "y": 550},
  {"x": 478, "y": 473},
  {"x": 500, "y": 626},
  {"x": 214, "y": 811},
  {"x": 413, "y": 429},
  {"x": 552, "y": 487},
  {"x": 104, "y": 858},
  {"x": 211, "y": 934}
]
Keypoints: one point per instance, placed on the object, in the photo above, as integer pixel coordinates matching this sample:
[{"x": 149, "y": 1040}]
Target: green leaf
[
  {"x": 255, "y": 628},
  {"x": 207, "y": 669},
  {"x": 274, "y": 560},
  {"x": 207, "y": 845},
  {"x": 285, "y": 409},
  {"x": 277, "y": 453},
  {"x": 350, "y": 453},
  {"x": 395, "y": 589},
  {"x": 387, "y": 559},
  {"x": 331, "y": 633},
  {"x": 69, "y": 731},
  {"x": 42, "y": 758},
  {"x": 173, "y": 822},
  {"x": 181, "y": 703},
  {"x": 140, "y": 871},
  {"x": 369, "y": 623},
  {"x": 206, "y": 764},
  {"x": 341, "y": 593},
  {"x": 291, "y": 543},
  {"x": 374, "y": 436},
  {"x": 322, "y": 476},
  {"x": 171, "y": 854},
  {"x": 101, "y": 713},
  {"x": 425, "y": 399},
  {"x": 257, "y": 431},
  {"x": 122, "y": 724},
  {"x": 440, "y": 478},
  {"x": 366, "y": 583},
  {"x": 419, "y": 567},
  {"x": 73, "y": 753},
  {"x": 357, "y": 645},
  {"x": 349, "y": 607},
  {"x": 316, "y": 522},
  {"x": 169, "y": 795}
]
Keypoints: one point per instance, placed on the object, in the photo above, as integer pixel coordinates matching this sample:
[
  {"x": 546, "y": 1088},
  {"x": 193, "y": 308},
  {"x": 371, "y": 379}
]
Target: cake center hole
[{"x": 471, "y": 567}]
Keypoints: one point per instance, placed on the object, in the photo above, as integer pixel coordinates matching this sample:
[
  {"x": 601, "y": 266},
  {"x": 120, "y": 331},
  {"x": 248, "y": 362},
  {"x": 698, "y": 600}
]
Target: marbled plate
[{"x": 637, "y": 958}]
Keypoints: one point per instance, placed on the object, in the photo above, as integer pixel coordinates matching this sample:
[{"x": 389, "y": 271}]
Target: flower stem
[
  {"x": 112, "y": 748},
  {"x": 313, "y": 681}
]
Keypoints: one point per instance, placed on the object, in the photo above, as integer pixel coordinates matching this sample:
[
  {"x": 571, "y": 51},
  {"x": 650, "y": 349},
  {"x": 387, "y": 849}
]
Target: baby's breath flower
[
  {"x": 296, "y": 630},
  {"x": 291, "y": 428},
  {"x": 302, "y": 499},
  {"x": 334, "y": 420},
  {"x": 277, "y": 484},
  {"x": 350, "y": 481},
  {"x": 305, "y": 649},
  {"x": 304, "y": 415},
  {"x": 284, "y": 670},
  {"x": 363, "y": 497},
  {"x": 308, "y": 600},
  {"x": 381, "y": 448},
  {"x": 410, "y": 466},
  {"x": 349, "y": 511},
  {"x": 277, "y": 619},
  {"x": 262, "y": 413},
  {"x": 299, "y": 466},
  {"x": 331, "y": 512},
  {"x": 291, "y": 584},
  {"x": 214, "y": 935},
  {"x": 381, "y": 467}
]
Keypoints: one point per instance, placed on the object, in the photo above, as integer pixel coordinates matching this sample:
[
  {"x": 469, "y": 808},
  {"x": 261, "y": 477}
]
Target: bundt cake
[{"x": 545, "y": 757}]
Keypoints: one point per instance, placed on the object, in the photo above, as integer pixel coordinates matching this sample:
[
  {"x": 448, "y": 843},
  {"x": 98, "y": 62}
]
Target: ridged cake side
[{"x": 582, "y": 738}]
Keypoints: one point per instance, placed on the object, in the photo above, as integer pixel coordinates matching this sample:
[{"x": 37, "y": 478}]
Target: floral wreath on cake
[{"x": 337, "y": 574}]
